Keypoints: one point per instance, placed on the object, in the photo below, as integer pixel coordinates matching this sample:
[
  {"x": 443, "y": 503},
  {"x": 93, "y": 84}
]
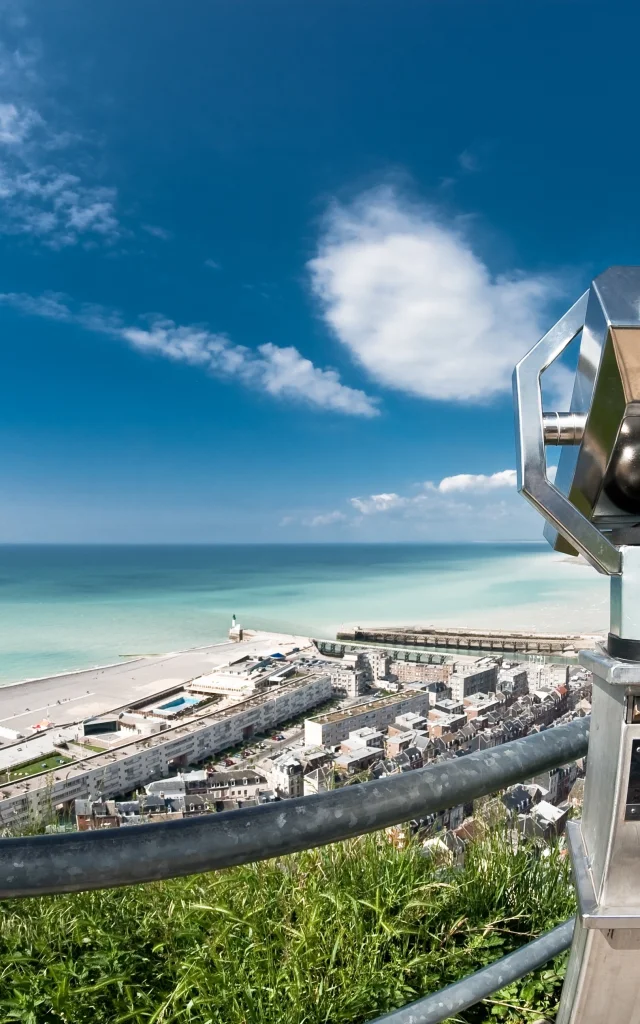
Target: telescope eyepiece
[{"x": 622, "y": 483}]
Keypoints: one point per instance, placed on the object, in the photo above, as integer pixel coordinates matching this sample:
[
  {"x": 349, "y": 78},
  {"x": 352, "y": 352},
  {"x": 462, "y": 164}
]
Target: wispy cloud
[
  {"x": 414, "y": 304},
  {"x": 157, "y": 232},
  {"x": 325, "y": 519},
  {"x": 468, "y": 161},
  {"x": 281, "y": 372},
  {"x": 44, "y": 196},
  {"x": 467, "y": 506},
  {"x": 375, "y": 503},
  {"x": 212, "y": 265}
]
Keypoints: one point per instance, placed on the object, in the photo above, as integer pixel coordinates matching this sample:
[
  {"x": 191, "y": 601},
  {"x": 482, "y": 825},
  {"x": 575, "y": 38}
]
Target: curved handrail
[{"x": 38, "y": 865}]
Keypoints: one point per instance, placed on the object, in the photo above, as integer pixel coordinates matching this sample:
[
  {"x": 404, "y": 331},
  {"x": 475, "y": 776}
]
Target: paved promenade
[{"x": 65, "y": 699}]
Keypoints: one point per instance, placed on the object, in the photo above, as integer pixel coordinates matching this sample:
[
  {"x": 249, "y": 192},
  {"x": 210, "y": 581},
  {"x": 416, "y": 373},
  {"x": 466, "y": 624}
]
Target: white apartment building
[
  {"x": 513, "y": 681},
  {"x": 242, "y": 677},
  {"x": 286, "y": 776},
  {"x": 377, "y": 660},
  {"x": 479, "y": 678},
  {"x": 351, "y": 675},
  {"x": 139, "y": 762},
  {"x": 331, "y": 729}
]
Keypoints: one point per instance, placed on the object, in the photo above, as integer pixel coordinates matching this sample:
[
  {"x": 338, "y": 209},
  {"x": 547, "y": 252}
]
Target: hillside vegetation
[{"x": 336, "y": 935}]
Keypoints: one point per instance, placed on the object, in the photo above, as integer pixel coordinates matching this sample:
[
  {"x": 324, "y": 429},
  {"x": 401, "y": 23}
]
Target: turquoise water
[{"x": 73, "y": 607}]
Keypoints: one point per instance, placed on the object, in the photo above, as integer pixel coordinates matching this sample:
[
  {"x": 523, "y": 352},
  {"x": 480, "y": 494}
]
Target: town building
[
  {"x": 220, "y": 787},
  {"x": 415, "y": 672},
  {"x": 243, "y": 677},
  {"x": 377, "y": 660},
  {"x": 480, "y": 704},
  {"x": 448, "y": 706},
  {"x": 142, "y": 760},
  {"x": 366, "y": 737},
  {"x": 441, "y": 722},
  {"x": 319, "y": 780},
  {"x": 479, "y": 678},
  {"x": 358, "y": 759},
  {"x": 410, "y": 720},
  {"x": 351, "y": 675},
  {"x": 544, "y": 820},
  {"x": 286, "y": 776},
  {"x": 331, "y": 729},
  {"x": 513, "y": 681},
  {"x": 558, "y": 782}
]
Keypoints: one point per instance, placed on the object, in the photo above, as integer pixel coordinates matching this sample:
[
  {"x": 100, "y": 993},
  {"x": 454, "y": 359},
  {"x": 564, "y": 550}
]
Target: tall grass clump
[{"x": 333, "y": 935}]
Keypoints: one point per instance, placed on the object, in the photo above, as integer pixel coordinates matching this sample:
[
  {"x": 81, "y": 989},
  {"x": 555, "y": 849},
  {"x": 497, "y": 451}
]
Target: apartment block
[
  {"x": 133, "y": 765},
  {"x": 286, "y": 776},
  {"x": 412, "y": 672},
  {"x": 331, "y": 729},
  {"x": 479, "y": 678}
]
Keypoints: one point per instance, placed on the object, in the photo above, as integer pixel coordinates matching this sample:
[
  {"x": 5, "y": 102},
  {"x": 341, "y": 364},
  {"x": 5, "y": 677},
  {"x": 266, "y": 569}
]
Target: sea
[{"x": 76, "y": 606}]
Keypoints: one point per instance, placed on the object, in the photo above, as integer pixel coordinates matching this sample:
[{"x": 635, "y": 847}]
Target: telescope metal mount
[{"x": 592, "y": 508}]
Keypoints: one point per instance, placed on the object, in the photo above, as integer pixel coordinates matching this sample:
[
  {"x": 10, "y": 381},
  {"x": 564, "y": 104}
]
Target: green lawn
[
  {"x": 331, "y": 936},
  {"x": 39, "y": 764}
]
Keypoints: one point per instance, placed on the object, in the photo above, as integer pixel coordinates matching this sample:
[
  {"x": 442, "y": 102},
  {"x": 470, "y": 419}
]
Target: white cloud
[
  {"x": 326, "y": 519},
  {"x": 470, "y": 506},
  {"x": 285, "y": 373},
  {"x": 478, "y": 481},
  {"x": 281, "y": 372},
  {"x": 468, "y": 161},
  {"x": 43, "y": 194},
  {"x": 417, "y": 307},
  {"x": 429, "y": 495},
  {"x": 15, "y": 124},
  {"x": 212, "y": 265},
  {"x": 157, "y": 232},
  {"x": 557, "y": 387},
  {"x": 379, "y": 503}
]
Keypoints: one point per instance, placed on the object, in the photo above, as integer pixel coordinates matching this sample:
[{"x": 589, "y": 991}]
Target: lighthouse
[{"x": 235, "y": 633}]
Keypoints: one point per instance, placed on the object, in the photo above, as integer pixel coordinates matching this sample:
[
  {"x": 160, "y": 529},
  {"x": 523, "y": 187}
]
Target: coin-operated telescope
[{"x": 592, "y": 508}]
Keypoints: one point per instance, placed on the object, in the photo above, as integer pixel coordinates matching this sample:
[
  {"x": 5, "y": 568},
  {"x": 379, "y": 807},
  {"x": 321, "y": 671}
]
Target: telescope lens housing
[{"x": 622, "y": 483}]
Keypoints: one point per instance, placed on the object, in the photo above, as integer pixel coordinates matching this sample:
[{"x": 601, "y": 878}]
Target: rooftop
[
  {"x": 78, "y": 768},
  {"x": 359, "y": 709}
]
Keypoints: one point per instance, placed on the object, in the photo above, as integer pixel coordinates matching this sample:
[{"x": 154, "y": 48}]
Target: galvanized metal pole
[
  {"x": 603, "y": 975},
  {"x": 463, "y": 994}
]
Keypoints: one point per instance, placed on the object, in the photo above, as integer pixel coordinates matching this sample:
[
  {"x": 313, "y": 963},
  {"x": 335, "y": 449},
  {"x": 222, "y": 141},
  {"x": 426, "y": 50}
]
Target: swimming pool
[{"x": 178, "y": 703}]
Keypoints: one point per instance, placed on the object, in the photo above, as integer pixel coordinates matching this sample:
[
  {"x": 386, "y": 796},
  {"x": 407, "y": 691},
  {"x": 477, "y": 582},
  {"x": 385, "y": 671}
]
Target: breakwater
[{"x": 474, "y": 639}]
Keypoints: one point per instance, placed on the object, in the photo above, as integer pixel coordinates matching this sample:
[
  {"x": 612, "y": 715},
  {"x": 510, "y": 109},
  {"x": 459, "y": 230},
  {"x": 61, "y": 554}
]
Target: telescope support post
[{"x": 603, "y": 975}]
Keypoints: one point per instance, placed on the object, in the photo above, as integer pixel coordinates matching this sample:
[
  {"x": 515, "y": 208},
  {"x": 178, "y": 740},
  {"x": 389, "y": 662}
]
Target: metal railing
[{"x": 75, "y": 862}]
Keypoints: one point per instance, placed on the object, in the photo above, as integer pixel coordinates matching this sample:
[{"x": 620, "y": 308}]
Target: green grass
[
  {"x": 330, "y": 936},
  {"x": 39, "y": 764}
]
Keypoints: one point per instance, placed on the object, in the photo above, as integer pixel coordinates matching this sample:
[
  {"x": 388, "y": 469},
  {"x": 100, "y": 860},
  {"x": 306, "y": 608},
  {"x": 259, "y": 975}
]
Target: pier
[{"x": 440, "y": 637}]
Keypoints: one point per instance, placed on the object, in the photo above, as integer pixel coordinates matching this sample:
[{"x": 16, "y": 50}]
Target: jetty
[{"x": 440, "y": 637}]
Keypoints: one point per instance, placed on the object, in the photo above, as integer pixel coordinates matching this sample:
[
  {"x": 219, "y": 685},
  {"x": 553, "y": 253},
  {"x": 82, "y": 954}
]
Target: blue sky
[{"x": 266, "y": 266}]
